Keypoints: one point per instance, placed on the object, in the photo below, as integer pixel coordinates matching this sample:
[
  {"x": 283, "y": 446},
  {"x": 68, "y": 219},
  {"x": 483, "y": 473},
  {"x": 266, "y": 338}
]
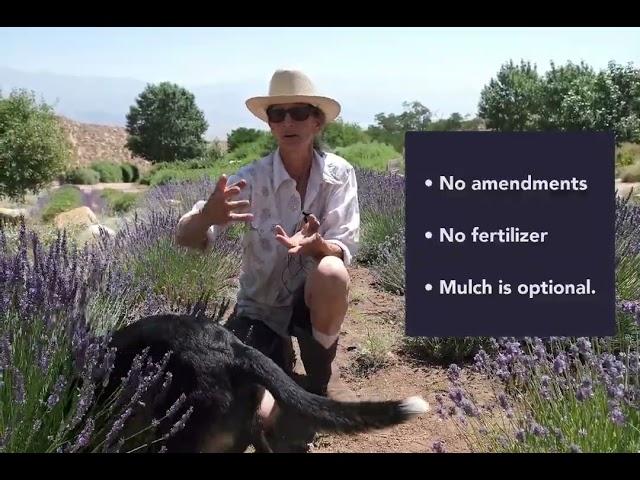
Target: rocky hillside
[{"x": 91, "y": 143}]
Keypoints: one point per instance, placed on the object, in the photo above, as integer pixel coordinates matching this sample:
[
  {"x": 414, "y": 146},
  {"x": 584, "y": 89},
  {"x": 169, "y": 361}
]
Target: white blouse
[{"x": 269, "y": 278}]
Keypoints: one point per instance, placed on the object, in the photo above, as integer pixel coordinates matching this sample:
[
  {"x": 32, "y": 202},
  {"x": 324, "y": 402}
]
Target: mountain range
[{"x": 106, "y": 100}]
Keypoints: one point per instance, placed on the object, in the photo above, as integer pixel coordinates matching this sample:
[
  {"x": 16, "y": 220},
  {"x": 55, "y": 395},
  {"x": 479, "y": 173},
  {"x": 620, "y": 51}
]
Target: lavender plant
[
  {"x": 56, "y": 318},
  {"x": 550, "y": 399},
  {"x": 146, "y": 248},
  {"x": 389, "y": 269},
  {"x": 381, "y": 199}
]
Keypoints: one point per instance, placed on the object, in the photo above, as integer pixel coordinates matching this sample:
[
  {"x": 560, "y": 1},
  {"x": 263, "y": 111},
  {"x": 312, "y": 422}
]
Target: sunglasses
[{"x": 299, "y": 114}]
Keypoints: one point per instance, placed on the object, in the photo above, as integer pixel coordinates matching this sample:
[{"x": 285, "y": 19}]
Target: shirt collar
[{"x": 318, "y": 173}]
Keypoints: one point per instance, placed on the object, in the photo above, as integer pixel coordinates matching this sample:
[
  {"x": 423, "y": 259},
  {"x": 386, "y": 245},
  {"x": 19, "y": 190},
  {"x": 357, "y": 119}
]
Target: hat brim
[{"x": 258, "y": 105}]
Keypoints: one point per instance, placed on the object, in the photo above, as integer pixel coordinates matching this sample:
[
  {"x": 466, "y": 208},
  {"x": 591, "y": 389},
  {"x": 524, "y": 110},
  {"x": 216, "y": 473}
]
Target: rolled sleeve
[{"x": 341, "y": 224}]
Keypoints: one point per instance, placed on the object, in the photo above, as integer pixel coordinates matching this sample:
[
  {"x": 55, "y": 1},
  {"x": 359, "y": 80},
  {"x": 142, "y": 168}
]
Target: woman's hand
[
  {"x": 219, "y": 208},
  {"x": 306, "y": 241}
]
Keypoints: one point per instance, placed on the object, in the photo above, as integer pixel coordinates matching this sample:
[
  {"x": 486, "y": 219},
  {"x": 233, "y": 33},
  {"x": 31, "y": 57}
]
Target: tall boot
[{"x": 323, "y": 375}]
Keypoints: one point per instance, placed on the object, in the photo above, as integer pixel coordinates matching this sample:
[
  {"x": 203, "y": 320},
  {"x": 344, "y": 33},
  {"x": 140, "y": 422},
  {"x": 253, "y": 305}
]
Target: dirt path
[{"x": 375, "y": 320}]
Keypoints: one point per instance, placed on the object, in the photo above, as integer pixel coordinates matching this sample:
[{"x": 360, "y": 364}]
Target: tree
[
  {"x": 391, "y": 128},
  {"x": 617, "y": 102},
  {"x": 341, "y": 134},
  {"x": 511, "y": 101},
  {"x": 241, "y": 135},
  {"x": 33, "y": 147},
  {"x": 567, "y": 98},
  {"x": 165, "y": 124}
]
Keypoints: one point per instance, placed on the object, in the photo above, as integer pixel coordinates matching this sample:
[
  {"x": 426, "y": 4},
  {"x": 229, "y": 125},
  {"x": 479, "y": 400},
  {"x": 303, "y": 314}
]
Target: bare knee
[
  {"x": 332, "y": 270},
  {"x": 329, "y": 282}
]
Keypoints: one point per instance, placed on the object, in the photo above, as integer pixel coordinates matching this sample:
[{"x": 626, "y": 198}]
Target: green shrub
[
  {"x": 246, "y": 153},
  {"x": 624, "y": 159},
  {"x": 630, "y": 173},
  {"x": 109, "y": 172},
  {"x": 374, "y": 156},
  {"x": 61, "y": 200},
  {"x": 242, "y": 135},
  {"x": 166, "y": 176},
  {"x": 129, "y": 172},
  {"x": 119, "y": 202},
  {"x": 341, "y": 134},
  {"x": 82, "y": 176}
]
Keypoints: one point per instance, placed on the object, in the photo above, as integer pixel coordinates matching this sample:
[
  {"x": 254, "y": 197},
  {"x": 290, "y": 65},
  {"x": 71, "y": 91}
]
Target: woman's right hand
[{"x": 219, "y": 208}]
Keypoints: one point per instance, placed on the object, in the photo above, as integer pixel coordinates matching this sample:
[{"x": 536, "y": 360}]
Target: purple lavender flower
[
  {"x": 502, "y": 360},
  {"x": 520, "y": 435},
  {"x": 440, "y": 410},
  {"x": 84, "y": 437},
  {"x": 86, "y": 399},
  {"x": 615, "y": 392},
  {"x": 454, "y": 373},
  {"x": 584, "y": 345},
  {"x": 176, "y": 405},
  {"x": 117, "y": 427},
  {"x": 632, "y": 396},
  {"x": 5, "y": 352},
  {"x": 539, "y": 431},
  {"x": 560, "y": 364},
  {"x": 544, "y": 381},
  {"x": 469, "y": 408},
  {"x": 504, "y": 403},
  {"x": 513, "y": 349},
  {"x": 617, "y": 416},
  {"x": 180, "y": 424},
  {"x": 438, "y": 446},
  {"x": 503, "y": 374},
  {"x": 18, "y": 387},
  {"x": 585, "y": 390},
  {"x": 545, "y": 393},
  {"x": 481, "y": 361},
  {"x": 573, "y": 448},
  {"x": 54, "y": 398},
  {"x": 456, "y": 394}
]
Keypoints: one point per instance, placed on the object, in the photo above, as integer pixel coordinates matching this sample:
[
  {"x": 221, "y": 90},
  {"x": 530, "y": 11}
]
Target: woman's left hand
[{"x": 306, "y": 241}]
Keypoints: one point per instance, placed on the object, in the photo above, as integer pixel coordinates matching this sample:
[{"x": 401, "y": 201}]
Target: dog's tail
[{"x": 323, "y": 413}]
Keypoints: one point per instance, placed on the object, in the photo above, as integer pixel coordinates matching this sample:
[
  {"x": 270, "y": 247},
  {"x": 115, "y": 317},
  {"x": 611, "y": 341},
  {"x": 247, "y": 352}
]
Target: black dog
[{"x": 224, "y": 379}]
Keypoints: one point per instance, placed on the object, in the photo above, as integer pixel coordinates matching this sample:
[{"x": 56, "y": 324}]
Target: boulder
[
  {"x": 77, "y": 216},
  {"x": 11, "y": 215}
]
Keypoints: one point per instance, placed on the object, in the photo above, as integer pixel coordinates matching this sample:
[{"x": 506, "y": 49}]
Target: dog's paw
[{"x": 414, "y": 406}]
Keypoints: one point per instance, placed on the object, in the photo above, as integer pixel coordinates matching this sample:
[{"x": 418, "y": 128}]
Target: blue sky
[{"x": 444, "y": 68}]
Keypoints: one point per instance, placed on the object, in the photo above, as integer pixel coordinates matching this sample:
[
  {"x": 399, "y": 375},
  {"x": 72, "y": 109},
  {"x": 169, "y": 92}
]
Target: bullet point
[
  {"x": 428, "y": 182},
  {"x": 428, "y": 235},
  {"x": 428, "y": 287}
]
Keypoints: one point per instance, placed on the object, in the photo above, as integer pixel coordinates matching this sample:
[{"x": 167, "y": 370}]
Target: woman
[{"x": 301, "y": 207}]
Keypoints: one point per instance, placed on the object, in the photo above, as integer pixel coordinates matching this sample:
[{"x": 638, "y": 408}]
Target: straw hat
[{"x": 292, "y": 86}]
